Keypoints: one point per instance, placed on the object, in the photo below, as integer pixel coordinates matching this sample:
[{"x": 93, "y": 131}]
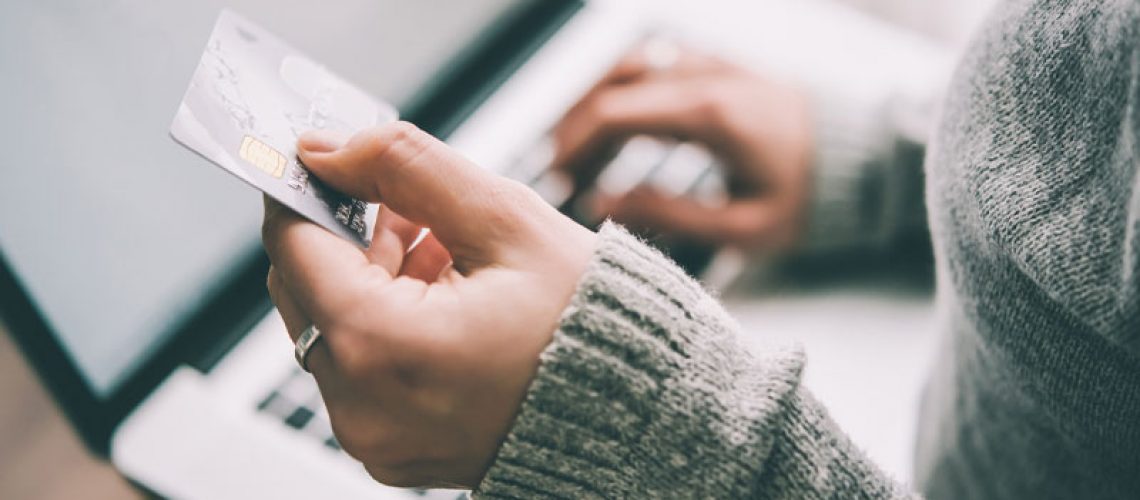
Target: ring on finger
[{"x": 304, "y": 345}]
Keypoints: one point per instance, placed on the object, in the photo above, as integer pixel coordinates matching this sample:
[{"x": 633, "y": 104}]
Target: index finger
[
  {"x": 323, "y": 269},
  {"x": 674, "y": 108}
]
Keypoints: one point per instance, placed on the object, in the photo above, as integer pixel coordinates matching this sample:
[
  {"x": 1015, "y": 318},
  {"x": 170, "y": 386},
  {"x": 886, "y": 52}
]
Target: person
[{"x": 517, "y": 353}]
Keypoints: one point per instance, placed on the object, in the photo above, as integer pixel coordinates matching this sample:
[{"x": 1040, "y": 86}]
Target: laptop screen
[{"x": 117, "y": 233}]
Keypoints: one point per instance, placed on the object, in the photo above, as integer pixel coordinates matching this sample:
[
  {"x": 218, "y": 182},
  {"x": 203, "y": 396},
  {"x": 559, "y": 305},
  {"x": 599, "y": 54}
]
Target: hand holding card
[
  {"x": 250, "y": 98},
  {"x": 428, "y": 344}
]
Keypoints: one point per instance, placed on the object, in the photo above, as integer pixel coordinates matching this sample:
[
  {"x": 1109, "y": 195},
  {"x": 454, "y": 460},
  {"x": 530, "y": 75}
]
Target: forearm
[{"x": 646, "y": 392}]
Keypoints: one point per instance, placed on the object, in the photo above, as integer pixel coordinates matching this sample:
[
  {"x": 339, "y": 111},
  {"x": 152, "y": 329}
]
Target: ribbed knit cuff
[
  {"x": 643, "y": 392},
  {"x": 850, "y": 144}
]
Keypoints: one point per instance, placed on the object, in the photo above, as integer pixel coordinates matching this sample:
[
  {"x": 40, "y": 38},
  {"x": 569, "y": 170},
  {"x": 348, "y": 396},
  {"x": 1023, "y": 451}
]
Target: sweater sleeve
[
  {"x": 646, "y": 392},
  {"x": 867, "y": 171}
]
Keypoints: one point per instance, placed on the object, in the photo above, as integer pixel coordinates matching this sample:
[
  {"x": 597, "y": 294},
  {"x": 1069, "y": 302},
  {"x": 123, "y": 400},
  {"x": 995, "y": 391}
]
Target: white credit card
[{"x": 250, "y": 98}]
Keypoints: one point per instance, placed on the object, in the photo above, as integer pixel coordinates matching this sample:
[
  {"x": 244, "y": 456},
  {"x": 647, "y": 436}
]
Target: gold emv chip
[{"x": 260, "y": 155}]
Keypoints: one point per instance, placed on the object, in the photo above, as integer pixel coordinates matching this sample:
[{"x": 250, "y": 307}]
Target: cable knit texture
[{"x": 645, "y": 392}]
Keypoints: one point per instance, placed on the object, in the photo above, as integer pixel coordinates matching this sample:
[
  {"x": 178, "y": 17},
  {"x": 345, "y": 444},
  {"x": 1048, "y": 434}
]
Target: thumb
[{"x": 423, "y": 180}]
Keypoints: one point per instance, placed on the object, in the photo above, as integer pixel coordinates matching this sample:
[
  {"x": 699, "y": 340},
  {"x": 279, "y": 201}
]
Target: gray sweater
[{"x": 1034, "y": 205}]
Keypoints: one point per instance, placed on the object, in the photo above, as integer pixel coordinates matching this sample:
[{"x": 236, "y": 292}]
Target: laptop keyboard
[
  {"x": 672, "y": 167},
  {"x": 297, "y": 404}
]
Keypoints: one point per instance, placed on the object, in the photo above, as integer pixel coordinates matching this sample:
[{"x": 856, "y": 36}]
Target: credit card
[{"x": 250, "y": 98}]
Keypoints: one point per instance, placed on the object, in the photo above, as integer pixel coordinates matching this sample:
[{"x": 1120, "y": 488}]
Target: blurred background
[{"x": 864, "y": 316}]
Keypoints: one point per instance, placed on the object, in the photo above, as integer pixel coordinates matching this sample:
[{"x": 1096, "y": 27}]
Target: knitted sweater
[
  {"x": 1034, "y": 202},
  {"x": 645, "y": 392}
]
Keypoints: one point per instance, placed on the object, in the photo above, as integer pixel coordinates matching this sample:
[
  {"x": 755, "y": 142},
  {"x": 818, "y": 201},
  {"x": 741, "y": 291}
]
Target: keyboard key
[
  {"x": 682, "y": 169},
  {"x": 277, "y": 405},
  {"x": 553, "y": 186},
  {"x": 267, "y": 401},
  {"x": 533, "y": 162},
  {"x": 299, "y": 417},
  {"x": 636, "y": 161}
]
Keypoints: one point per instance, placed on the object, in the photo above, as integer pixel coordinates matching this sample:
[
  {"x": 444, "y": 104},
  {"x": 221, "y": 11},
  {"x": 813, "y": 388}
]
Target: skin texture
[
  {"x": 426, "y": 354},
  {"x": 760, "y": 130}
]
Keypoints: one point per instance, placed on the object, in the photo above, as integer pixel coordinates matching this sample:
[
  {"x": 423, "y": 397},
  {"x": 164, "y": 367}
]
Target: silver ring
[{"x": 304, "y": 344}]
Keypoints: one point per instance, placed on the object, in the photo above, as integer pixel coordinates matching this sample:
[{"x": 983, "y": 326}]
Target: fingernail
[{"x": 320, "y": 141}]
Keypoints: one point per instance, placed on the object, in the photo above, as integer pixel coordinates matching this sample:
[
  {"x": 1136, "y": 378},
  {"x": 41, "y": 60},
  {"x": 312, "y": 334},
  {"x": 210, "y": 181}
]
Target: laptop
[{"x": 131, "y": 273}]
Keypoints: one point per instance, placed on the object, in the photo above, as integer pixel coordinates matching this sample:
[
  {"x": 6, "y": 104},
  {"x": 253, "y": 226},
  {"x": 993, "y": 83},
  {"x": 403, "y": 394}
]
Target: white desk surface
[{"x": 867, "y": 329}]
